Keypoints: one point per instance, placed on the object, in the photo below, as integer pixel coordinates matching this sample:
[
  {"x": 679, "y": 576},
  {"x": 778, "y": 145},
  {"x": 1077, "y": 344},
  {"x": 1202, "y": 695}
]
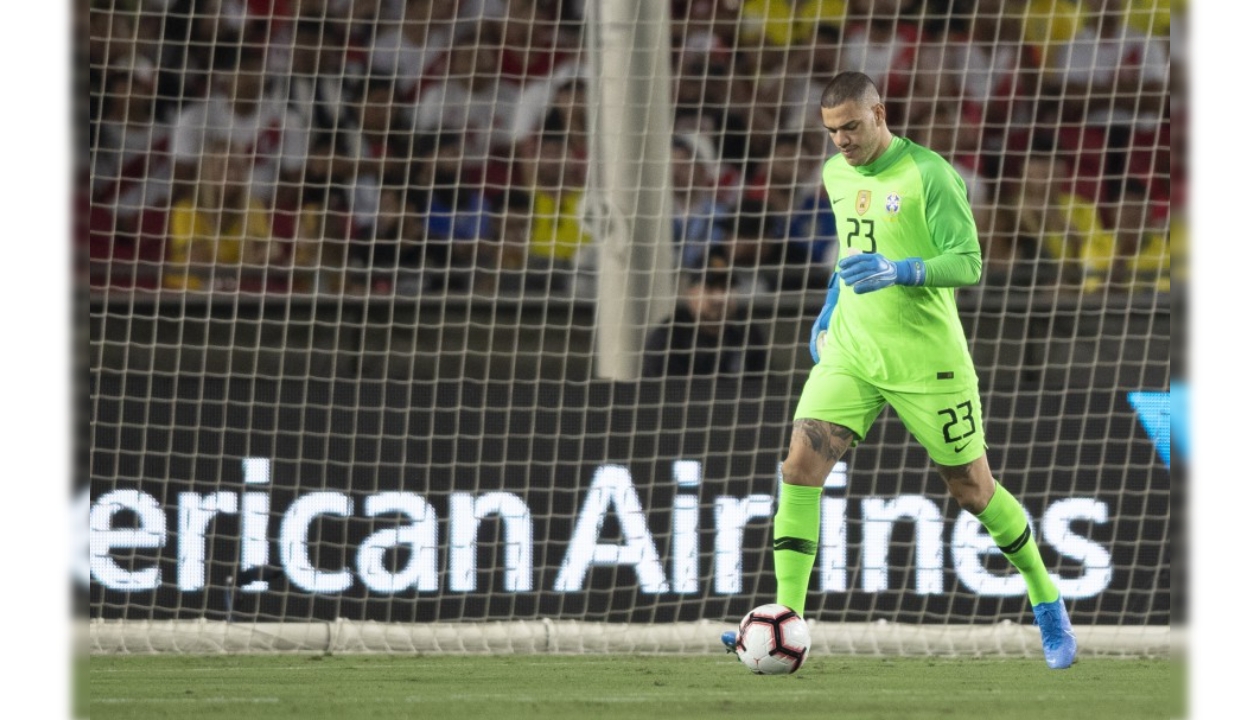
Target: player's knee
[
  {"x": 969, "y": 498},
  {"x": 808, "y": 469},
  {"x": 969, "y": 486}
]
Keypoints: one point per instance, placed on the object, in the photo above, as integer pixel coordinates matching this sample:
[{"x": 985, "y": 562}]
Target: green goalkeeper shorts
[{"x": 948, "y": 424}]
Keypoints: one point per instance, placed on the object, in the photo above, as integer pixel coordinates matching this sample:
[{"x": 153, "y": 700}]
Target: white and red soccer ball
[{"x": 772, "y": 640}]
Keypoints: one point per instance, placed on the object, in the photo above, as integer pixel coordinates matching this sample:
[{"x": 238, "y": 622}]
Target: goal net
[{"x": 477, "y": 326}]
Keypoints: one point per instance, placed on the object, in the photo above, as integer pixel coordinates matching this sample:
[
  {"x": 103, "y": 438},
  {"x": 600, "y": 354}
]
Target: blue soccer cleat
[
  {"x": 1058, "y": 641},
  {"x": 728, "y": 639}
]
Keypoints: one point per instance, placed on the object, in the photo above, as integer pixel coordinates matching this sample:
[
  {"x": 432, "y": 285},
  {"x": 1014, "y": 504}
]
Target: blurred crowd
[{"x": 400, "y": 147}]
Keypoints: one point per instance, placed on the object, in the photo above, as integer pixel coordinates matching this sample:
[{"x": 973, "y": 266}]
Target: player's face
[{"x": 857, "y": 130}]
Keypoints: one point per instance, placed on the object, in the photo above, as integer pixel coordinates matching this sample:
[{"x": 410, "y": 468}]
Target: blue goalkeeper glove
[
  {"x": 824, "y": 317},
  {"x": 868, "y": 272}
]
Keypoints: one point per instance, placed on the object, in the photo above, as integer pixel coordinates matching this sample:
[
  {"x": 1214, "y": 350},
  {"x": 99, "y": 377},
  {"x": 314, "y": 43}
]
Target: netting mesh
[{"x": 348, "y": 274}]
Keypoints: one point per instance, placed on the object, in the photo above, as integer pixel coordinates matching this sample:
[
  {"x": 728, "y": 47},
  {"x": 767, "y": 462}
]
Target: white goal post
[{"x": 372, "y": 291}]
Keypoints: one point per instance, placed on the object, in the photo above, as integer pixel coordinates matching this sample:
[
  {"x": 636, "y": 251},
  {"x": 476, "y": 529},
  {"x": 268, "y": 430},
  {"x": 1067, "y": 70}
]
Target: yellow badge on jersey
[{"x": 863, "y": 201}]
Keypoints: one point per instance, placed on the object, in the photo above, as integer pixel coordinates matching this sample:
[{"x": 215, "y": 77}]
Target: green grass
[{"x": 242, "y": 687}]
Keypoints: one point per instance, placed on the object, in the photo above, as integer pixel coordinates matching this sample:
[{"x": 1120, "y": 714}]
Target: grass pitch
[{"x": 557, "y": 687}]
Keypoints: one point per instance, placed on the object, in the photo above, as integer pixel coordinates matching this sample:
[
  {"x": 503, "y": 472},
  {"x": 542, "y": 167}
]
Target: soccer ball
[{"x": 772, "y": 640}]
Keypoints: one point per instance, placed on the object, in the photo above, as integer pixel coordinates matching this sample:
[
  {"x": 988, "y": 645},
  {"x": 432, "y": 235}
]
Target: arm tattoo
[{"x": 827, "y": 439}]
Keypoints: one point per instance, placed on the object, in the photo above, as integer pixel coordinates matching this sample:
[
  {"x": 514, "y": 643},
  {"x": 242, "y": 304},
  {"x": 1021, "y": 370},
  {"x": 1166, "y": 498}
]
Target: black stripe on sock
[
  {"x": 800, "y": 545},
  {"x": 1020, "y": 542}
]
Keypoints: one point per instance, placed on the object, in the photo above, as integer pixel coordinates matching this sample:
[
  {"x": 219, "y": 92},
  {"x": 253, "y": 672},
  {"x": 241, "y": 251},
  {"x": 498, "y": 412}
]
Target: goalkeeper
[{"x": 889, "y": 334}]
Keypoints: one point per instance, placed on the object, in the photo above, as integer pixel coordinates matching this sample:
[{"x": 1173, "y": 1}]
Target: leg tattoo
[{"x": 828, "y": 440}]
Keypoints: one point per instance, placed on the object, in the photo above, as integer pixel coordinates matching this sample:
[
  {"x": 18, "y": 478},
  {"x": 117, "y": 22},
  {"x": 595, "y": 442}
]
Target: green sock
[
  {"x": 1004, "y": 518},
  {"x": 795, "y": 542}
]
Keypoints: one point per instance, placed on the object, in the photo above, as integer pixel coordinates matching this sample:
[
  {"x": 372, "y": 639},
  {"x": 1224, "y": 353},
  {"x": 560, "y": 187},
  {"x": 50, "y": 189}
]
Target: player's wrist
[{"x": 910, "y": 271}]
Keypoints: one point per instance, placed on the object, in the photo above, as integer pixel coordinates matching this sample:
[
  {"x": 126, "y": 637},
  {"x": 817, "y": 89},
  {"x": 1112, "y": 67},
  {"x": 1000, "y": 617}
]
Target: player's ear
[{"x": 881, "y": 114}]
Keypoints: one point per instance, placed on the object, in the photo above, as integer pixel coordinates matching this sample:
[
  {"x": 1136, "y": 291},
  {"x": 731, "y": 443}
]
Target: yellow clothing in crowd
[
  {"x": 784, "y": 22},
  {"x": 196, "y": 248},
  {"x": 1161, "y": 259},
  {"x": 1049, "y": 24},
  {"x": 556, "y": 231},
  {"x": 1152, "y": 16},
  {"x": 1086, "y": 241}
]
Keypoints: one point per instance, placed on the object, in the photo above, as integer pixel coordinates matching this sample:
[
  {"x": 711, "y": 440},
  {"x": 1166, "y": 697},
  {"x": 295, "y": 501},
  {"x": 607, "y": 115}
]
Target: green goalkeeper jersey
[{"x": 909, "y": 202}]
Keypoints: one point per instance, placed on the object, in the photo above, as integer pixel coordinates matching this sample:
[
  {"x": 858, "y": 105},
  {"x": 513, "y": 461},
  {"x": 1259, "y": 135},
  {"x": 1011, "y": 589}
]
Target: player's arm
[
  {"x": 952, "y": 226},
  {"x": 818, "y": 335}
]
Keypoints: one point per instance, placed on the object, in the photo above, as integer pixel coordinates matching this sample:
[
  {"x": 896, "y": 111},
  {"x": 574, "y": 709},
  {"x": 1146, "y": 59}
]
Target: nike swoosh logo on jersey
[
  {"x": 960, "y": 448},
  {"x": 837, "y": 200}
]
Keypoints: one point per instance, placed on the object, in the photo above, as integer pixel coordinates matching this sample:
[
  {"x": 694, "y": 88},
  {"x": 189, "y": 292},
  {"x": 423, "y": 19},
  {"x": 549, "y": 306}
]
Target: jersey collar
[{"x": 895, "y": 150}]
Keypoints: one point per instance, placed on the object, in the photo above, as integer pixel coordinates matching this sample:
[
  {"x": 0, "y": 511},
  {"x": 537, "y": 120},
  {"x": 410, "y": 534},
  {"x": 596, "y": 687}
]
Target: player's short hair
[{"x": 848, "y": 86}]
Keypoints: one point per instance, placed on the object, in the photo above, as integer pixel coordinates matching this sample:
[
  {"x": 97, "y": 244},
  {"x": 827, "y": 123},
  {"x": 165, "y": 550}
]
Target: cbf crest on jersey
[
  {"x": 863, "y": 201},
  {"x": 892, "y": 203}
]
